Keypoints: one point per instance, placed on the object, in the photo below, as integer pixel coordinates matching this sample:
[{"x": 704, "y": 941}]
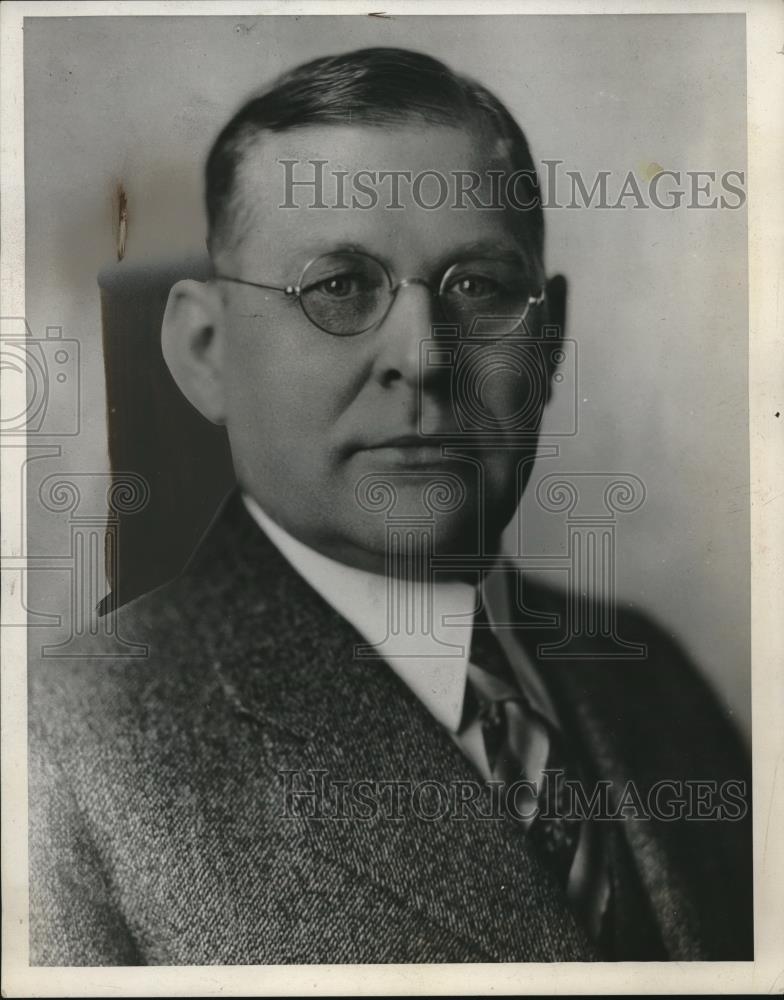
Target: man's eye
[
  {"x": 340, "y": 286},
  {"x": 475, "y": 286}
]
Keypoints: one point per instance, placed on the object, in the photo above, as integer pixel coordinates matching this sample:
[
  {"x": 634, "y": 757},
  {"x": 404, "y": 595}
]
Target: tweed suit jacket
[{"x": 159, "y": 832}]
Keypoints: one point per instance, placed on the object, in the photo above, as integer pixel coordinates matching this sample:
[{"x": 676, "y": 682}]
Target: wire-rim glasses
[{"x": 347, "y": 293}]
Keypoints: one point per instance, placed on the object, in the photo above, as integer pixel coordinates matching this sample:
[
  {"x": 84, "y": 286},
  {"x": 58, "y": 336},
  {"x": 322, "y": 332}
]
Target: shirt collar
[{"x": 431, "y": 659}]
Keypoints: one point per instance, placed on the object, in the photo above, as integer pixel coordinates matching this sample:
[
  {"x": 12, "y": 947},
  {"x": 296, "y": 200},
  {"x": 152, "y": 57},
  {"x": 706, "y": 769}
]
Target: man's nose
[{"x": 408, "y": 323}]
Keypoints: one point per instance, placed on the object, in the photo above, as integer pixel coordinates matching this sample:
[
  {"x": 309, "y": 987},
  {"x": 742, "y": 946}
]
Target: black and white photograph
[{"x": 385, "y": 477}]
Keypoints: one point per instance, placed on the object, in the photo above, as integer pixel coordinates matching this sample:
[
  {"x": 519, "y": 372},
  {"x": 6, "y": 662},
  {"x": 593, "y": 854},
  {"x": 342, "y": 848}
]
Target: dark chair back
[{"x": 154, "y": 433}]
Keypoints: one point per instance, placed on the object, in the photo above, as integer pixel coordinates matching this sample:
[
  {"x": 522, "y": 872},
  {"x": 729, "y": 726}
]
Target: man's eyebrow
[
  {"x": 319, "y": 247},
  {"x": 501, "y": 249},
  {"x": 302, "y": 256}
]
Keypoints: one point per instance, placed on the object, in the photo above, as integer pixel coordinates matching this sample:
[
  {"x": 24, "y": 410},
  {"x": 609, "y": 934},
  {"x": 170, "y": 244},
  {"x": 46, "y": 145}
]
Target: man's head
[{"x": 312, "y": 346}]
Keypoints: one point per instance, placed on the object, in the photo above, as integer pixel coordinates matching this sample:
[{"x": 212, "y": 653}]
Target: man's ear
[
  {"x": 192, "y": 339},
  {"x": 556, "y": 289},
  {"x": 555, "y": 319}
]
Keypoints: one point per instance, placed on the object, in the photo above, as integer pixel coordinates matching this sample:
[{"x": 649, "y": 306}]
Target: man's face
[{"x": 326, "y": 430}]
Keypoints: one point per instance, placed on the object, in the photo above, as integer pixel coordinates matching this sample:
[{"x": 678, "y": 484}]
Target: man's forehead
[
  {"x": 414, "y": 146},
  {"x": 378, "y": 187}
]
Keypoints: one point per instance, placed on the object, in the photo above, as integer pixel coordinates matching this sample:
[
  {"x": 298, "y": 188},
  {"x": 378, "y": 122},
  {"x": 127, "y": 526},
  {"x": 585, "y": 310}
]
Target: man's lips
[
  {"x": 405, "y": 441},
  {"x": 407, "y": 449}
]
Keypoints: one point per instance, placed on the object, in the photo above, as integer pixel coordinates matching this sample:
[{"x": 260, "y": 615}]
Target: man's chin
[{"x": 411, "y": 543}]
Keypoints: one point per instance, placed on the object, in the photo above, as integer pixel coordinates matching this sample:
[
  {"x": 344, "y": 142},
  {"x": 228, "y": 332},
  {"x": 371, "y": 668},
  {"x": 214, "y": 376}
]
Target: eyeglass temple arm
[
  {"x": 291, "y": 290},
  {"x": 294, "y": 290}
]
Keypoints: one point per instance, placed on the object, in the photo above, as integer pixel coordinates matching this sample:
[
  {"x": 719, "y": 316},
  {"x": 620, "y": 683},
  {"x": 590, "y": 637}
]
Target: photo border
[{"x": 765, "y": 67}]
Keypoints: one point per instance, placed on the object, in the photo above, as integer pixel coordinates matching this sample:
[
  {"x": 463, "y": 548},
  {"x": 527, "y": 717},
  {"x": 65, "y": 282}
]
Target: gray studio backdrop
[{"x": 658, "y": 298}]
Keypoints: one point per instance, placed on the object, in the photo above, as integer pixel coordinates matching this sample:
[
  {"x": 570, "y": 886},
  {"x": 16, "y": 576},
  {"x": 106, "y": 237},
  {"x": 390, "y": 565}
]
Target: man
[{"x": 268, "y": 785}]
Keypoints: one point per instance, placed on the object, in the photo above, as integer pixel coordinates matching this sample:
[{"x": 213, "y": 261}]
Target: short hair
[{"x": 373, "y": 86}]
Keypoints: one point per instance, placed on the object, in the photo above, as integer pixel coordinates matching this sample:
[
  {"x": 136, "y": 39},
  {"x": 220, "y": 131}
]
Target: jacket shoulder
[{"x": 641, "y": 676}]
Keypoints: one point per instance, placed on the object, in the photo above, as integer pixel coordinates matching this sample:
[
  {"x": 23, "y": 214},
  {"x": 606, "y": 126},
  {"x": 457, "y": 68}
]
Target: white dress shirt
[{"x": 432, "y": 658}]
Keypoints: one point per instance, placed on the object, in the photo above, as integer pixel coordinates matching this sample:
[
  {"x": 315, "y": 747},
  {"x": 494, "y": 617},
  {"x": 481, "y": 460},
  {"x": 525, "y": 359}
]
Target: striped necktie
[{"x": 521, "y": 744}]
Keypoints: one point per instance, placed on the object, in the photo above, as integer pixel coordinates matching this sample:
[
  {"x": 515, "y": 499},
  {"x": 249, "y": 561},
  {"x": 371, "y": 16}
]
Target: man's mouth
[{"x": 408, "y": 451}]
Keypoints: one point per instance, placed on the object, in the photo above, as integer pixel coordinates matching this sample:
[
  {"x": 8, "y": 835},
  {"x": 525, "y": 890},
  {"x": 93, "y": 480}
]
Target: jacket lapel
[
  {"x": 595, "y": 700},
  {"x": 285, "y": 660}
]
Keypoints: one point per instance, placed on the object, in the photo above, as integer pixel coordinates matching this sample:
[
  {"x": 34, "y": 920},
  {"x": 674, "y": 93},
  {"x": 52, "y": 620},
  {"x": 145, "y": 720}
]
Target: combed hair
[{"x": 376, "y": 87}]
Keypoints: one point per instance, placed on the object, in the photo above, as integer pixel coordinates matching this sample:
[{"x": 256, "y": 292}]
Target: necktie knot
[
  {"x": 521, "y": 745},
  {"x": 486, "y": 651}
]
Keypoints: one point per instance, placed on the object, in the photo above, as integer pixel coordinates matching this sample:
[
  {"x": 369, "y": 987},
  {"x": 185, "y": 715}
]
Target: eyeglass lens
[{"x": 348, "y": 293}]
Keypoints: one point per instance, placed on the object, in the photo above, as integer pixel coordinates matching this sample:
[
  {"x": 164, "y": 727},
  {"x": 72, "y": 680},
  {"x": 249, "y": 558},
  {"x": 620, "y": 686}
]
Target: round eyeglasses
[{"x": 348, "y": 293}]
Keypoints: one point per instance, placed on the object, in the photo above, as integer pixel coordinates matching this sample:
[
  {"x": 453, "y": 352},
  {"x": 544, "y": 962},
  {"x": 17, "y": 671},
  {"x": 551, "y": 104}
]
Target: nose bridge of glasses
[{"x": 409, "y": 283}]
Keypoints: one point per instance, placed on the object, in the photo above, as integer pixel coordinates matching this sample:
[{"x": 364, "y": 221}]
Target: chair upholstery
[{"x": 154, "y": 432}]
